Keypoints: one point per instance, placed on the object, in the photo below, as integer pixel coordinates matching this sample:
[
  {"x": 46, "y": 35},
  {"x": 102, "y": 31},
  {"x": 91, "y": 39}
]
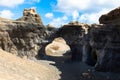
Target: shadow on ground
[{"x": 76, "y": 70}]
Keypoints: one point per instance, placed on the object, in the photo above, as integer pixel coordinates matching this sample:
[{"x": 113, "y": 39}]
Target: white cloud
[
  {"x": 90, "y": 10},
  {"x": 11, "y": 3},
  {"x": 68, "y": 5},
  {"x": 75, "y": 15},
  {"x": 92, "y": 17},
  {"x": 31, "y": 1},
  {"x": 34, "y": 7},
  {"x": 57, "y": 22},
  {"x": 49, "y": 15},
  {"x": 6, "y": 14},
  {"x": 35, "y": 0}
]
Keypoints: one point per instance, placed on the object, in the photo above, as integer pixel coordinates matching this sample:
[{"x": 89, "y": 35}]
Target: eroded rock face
[
  {"x": 31, "y": 16},
  {"x": 113, "y": 17},
  {"x": 22, "y": 36},
  {"x": 51, "y": 32},
  {"x": 105, "y": 40},
  {"x": 58, "y": 47},
  {"x": 27, "y": 38},
  {"x": 6, "y": 43},
  {"x": 73, "y": 34}
]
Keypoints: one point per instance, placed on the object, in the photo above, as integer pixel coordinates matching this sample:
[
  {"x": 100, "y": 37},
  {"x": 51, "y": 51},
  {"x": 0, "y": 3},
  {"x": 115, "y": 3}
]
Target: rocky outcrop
[
  {"x": 105, "y": 40},
  {"x": 51, "y": 32},
  {"x": 27, "y": 38},
  {"x": 113, "y": 17},
  {"x": 31, "y": 16},
  {"x": 58, "y": 47},
  {"x": 97, "y": 44},
  {"x": 6, "y": 43},
  {"x": 73, "y": 34},
  {"x": 22, "y": 37}
]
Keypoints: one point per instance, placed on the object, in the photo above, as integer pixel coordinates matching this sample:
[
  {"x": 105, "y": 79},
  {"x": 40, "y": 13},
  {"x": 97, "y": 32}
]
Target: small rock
[{"x": 86, "y": 75}]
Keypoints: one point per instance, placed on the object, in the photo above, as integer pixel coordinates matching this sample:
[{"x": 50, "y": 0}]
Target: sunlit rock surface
[{"x": 58, "y": 47}]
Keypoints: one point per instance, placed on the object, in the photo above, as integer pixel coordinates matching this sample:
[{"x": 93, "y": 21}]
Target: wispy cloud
[
  {"x": 10, "y": 3},
  {"x": 13, "y": 3},
  {"x": 87, "y": 11},
  {"x": 35, "y": 0},
  {"x": 49, "y": 15},
  {"x": 75, "y": 15},
  {"x": 31, "y": 1},
  {"x": 92, "y": 17},
  {"x": 6, "y": 14},
  {"x": 57, "y": 22},
  {"x": 83, "y": 5}
]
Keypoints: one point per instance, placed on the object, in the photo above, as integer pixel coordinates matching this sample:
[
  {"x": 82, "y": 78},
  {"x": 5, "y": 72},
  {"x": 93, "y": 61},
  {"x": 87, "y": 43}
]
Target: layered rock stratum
[{"x": 105, "y": 40}]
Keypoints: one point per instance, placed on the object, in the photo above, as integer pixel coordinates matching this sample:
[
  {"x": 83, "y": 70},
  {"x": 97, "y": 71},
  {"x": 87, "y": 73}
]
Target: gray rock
[
  {"x": 22, "y": 37},
  {"x": 113, "y": 17},
  {"x": 106, "y": 42}
]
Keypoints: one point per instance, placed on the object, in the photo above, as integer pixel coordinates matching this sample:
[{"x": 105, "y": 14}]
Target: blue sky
[{"x": 59, "y": 12}]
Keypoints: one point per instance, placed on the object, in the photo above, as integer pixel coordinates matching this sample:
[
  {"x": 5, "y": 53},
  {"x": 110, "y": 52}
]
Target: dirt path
[{"x": 80, "y": 71}]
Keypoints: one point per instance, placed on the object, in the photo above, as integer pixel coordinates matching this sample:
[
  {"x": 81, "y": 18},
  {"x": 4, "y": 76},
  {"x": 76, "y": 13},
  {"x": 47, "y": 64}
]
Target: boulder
[{"x": 58, "y": 47}]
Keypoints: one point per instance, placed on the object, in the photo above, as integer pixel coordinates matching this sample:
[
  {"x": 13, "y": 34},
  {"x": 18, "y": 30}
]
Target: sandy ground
[{"x": 15, "y": 68}]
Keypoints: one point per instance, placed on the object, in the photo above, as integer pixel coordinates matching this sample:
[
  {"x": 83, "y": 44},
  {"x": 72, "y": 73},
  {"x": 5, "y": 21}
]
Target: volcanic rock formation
[
  {"x": 73, "y": 34},
  {"x": 96, "y": 44},
  {"x": 105, "y": 40},
  {"x": 31, "y": 16},
  {"x": 22, "y": 37}
]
